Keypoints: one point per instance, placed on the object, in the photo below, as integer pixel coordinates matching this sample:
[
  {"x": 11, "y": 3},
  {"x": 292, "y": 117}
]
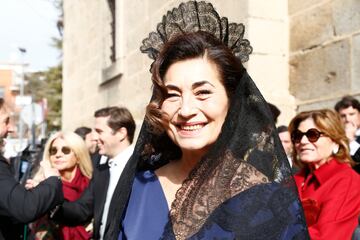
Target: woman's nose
[
  {"x": 304, "y": 139},
  {"x": 59, "y": 153},
  {"x": 188, "y": 107}
]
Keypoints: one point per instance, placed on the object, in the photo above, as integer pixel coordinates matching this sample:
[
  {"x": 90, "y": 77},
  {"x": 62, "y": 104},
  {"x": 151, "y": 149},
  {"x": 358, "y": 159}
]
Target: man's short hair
[
  {"x": 118, "y": 117},
  {"x": 82, "y": 131},
  {"x": 275, "y": 111},
  {"x": 282, "y": 128},
  {"x": 347, "y": 101}
]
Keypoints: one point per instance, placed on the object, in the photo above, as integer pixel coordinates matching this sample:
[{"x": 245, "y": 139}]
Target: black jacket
[
  {"x": 89, "y": 205},
  {"x": 18, "y": 205},
  {"x": 356, "y": 157}
]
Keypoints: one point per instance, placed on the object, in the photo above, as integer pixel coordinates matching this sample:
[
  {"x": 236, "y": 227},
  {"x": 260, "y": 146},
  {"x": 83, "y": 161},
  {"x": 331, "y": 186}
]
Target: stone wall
[
  {"x": 268, "y": 31},
  {"x": 83, "y": 61},
  {"x": 92, "y": 81},
  {"x": 324, "y": 51}
]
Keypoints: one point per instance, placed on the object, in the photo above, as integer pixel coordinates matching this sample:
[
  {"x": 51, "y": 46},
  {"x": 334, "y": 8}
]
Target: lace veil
[{"x": 247, "y": 153}]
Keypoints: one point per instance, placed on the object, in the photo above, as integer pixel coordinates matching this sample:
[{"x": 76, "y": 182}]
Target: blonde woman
[{"x": 67, "y": 152}]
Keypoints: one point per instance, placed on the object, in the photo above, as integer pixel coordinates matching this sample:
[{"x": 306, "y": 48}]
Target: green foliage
[{"x": 47, "y": 85}]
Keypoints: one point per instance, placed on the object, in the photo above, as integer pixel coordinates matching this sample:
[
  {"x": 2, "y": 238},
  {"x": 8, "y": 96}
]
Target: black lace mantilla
[
  {"x": 243, "y": 185},
  {"x": 197, "y": 16}
]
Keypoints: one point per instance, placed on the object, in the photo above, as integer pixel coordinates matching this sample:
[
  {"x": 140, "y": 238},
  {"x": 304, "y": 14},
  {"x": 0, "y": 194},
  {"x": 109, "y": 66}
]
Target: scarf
[{"x": 72, "y": 191}]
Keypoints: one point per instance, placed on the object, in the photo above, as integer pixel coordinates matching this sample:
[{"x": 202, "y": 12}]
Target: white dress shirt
[
  {"x": 116, "y": 166},
  {"x": 354, "y": 145}
]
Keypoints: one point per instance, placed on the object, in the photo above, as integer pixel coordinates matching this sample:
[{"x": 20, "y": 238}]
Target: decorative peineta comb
[{"x": 195, "y": 16}]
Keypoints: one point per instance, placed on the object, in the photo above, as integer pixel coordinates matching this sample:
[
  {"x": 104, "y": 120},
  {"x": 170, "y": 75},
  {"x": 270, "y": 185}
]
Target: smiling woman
[
  {"x": 329, "y": 189},
  {"x": 208, "y": 163}
]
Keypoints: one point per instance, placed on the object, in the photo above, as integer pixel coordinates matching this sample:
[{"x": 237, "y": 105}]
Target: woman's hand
[
  {"x": 31, "y": 183},
  {"x": 350, "y": 131},
  {"x": 49, "y": 171}
]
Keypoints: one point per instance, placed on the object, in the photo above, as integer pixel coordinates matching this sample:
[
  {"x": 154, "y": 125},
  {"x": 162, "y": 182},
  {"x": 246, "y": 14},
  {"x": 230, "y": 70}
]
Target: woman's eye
[
  {"x": 172, "y": 95},
  {"x": 203, "y": 92}
]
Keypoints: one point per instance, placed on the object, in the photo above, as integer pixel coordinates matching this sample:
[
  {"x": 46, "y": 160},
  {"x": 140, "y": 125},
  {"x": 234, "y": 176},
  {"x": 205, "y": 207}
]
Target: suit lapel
[{"x": 102, "y": 183}]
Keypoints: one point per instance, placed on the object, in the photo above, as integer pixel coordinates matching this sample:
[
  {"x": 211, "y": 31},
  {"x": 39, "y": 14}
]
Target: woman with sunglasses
[
  {"x": 67, "y": 153},
  {"x": 328, "y": 187}
]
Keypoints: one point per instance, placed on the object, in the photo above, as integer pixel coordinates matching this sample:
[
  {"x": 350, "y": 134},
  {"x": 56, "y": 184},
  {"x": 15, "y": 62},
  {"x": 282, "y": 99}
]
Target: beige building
[
  {"x": 10, "y": 78},
  {"x": 306, "y": 53}
]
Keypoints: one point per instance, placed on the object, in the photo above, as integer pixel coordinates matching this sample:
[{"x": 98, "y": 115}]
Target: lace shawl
[{"x": 247, "y": 154}]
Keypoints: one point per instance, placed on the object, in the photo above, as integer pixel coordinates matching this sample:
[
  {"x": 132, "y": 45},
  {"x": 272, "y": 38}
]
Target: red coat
[{"x": 331, "y": 200}]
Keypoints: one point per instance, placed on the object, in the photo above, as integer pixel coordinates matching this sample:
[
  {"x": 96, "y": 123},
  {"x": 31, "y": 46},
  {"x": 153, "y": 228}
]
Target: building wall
[
  {"x": 324, "y": 51},
  {"x": 92, "y": 81},
  {"x": 305, "y": 53},
  {"x": 83, "y": 61},
  {"x": 6, "y": 82},
  {"x": 10, "y": 77}
]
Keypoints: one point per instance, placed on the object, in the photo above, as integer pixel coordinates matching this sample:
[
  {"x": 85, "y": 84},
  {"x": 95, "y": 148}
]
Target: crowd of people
[{"x": 208, "y": 163}]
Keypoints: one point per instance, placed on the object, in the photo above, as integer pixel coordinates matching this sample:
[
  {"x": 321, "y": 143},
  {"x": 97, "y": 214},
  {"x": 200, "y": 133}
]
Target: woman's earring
[{"x": 335, "y": 150}]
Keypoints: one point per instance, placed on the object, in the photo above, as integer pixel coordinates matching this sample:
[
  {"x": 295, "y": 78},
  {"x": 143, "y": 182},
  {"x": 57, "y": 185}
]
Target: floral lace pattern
[
  {"x": 197, "y": 16},
  {"x": 228, "y": 179}
]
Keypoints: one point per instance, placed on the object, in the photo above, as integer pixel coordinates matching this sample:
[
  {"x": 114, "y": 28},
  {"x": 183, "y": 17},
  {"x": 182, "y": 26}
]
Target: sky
[{"x": 28, "y": 24}]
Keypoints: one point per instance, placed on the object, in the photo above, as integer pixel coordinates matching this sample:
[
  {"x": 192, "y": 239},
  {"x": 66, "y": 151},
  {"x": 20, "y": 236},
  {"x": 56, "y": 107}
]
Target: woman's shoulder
[
  {"x": 346, "y": 171},
  {"x": 264, "y": 211},
  {"x": 343, "y": 179}
]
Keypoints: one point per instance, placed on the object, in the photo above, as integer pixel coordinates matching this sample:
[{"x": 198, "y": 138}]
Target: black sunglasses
[
  {"x": 64, "y": 150},
  {"x": 312, "y": 135}
]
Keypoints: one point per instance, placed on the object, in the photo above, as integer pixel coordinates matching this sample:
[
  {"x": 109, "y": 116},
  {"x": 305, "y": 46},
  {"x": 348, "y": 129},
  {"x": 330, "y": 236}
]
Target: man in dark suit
[
  {"x": 115, "y": 129},
  {"x": 349, "y": 110},
  {"x": 285, "y": 139},
  {"x": 18, "y": 205},
  {"x": 90, "y": 139}
]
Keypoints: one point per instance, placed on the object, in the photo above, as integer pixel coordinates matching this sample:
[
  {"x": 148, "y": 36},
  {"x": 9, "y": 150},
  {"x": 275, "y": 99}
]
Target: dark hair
[
  {"x": 189, "y": 46},
  {"x": 282, "y": 128},
  {"x": 274, "y": 111},
  {"x": 118, "y": 117},
  {"x": 329, "y": 123},
  {"x": 347, "y": 101},
  {"x": 82, "y": 131}
]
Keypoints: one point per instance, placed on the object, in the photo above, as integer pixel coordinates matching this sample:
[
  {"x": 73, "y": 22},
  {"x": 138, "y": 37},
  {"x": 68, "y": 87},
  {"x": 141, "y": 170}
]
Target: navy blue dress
[
  {"x": 147, "y": 214},
  {"x": 147, "y": 211}
]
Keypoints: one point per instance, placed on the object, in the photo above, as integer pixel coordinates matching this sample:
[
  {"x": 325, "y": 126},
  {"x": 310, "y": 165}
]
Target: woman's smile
[{"x": 190, "y": 129}]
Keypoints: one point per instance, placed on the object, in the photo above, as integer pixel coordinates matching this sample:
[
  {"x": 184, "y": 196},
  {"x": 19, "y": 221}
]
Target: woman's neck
[
  {"x": 68, "y": 175},
  {"x": 189, "y": 160},
  {"x": 317, "y": 165},
  {"x": 178, "y": 170},
  {"x": 173, "y": 174}
]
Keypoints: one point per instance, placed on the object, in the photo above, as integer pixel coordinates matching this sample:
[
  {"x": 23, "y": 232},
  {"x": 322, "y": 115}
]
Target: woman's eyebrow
[
  {"x": 194, "y": 85},
  {"x": 172, "y": 87},
  {"x": 200, "y": 83}
]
